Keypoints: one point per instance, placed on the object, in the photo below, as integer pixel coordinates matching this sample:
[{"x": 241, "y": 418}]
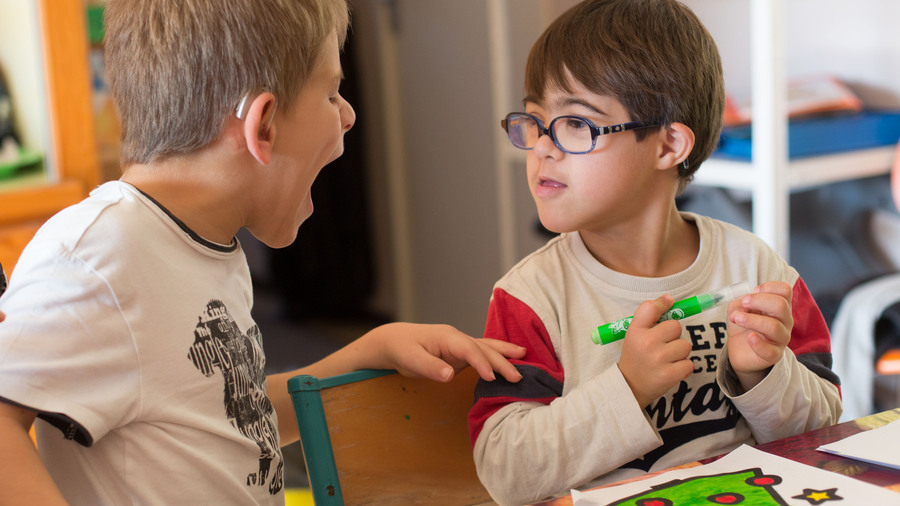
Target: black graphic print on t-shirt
[{"x": 219, "y": 344}]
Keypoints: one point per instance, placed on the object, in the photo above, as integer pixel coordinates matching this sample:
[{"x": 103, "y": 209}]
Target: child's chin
[{"x": 554, "y": 226}]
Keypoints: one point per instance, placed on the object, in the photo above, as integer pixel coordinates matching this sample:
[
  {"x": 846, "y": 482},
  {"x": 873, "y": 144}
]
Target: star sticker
[{"x": 819, "y": 496}]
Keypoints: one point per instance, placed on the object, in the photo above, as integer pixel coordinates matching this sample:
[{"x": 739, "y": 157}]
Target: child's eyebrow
[
  {"x": 338, "y": 79},
  {"x": 565, "y": 102},
  {"x": 531, "y": 99},
  {"x": 569, "y": 101}
]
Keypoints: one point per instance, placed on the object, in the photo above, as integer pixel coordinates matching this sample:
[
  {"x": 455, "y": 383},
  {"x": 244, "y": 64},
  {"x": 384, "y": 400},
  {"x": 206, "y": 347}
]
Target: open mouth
[{"x": 550, "y": 183}]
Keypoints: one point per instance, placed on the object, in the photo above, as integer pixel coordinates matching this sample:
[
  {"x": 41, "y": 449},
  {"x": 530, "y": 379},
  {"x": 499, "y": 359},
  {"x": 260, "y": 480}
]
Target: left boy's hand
[
  {"x": 439, "y": 351},
  {"x": 436, "y": 352},
  {"x": 759, "y": 328}
]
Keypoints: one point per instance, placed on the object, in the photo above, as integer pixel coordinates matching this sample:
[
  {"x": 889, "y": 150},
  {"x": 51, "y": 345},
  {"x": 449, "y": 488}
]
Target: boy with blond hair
[
  {"x": 128, "y": 338},
  {"x": 623, "y": 103}
]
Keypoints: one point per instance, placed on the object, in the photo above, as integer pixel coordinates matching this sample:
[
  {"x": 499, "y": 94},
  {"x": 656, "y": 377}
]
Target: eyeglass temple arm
[{"x": 633, "y": 125}]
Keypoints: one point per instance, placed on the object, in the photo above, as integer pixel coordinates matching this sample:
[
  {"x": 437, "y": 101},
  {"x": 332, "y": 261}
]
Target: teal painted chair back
[{"x": 376, "y": 437}]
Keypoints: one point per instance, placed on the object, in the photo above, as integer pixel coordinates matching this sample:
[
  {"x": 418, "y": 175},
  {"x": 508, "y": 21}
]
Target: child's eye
[{"x": 576, "y": 124}]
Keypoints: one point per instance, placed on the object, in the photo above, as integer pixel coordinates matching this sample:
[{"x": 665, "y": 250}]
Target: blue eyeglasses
[{"x": 571, "y": 134}]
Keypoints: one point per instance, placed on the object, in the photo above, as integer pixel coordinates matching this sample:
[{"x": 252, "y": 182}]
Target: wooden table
[{"x": 802, "y": 448}]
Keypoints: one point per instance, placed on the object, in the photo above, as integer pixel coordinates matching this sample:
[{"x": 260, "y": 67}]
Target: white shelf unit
[
  {"x": 770, "y": 222},
  {"x": 771, "y": 176}
]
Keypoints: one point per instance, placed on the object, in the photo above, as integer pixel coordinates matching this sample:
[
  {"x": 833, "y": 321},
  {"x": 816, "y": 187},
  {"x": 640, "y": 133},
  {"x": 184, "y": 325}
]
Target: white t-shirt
[{"x": 133, "y": 335}]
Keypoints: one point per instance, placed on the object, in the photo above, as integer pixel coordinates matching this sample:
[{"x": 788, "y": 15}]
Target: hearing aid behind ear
[{"x": 243, "y": 107}]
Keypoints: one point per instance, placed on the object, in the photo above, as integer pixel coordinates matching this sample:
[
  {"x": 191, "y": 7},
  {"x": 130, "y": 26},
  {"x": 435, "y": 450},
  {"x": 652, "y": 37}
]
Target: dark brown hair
[{"x": 654, "y": 56}]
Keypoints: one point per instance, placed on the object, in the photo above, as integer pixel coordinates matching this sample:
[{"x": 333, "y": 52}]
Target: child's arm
[
  {"x": 416, "y": 350},
  {"x": 529, "y": 440},
  {"x": 23, "y": 477}
]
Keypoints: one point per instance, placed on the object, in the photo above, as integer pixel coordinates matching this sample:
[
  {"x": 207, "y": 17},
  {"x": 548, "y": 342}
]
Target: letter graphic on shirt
[{"x": 219, "y": 344}]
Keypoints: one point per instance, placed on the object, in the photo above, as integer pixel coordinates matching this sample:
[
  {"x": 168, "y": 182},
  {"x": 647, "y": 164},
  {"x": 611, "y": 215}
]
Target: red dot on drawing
[
  {"x": 766, "y": 480},
  {"x": 726, "y": 498}
]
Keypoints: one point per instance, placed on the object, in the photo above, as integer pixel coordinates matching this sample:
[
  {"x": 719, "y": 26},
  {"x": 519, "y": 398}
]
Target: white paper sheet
[
  {"x": 877, "y": 446},
  {"x": 744, "y": 476}
]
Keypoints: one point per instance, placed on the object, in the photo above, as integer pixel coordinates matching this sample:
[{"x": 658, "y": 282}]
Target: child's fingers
[
  {"x": 776, "y": 288},
  {"x": 682, "y": 369},
  {"x": 649, "y": 312},
  {"x": 497, "y": 353},
  {"x": 486, "y": 356},
  {"x": 674, "y": 348},
  {"x": 499, "y": 364},
  {"x": 504, "y": 348},
  {"x": 774, "y": 305},
  {"x": 767, "y": 328},
  {"x": 422, "y": 364},
  {"x": 765, "y": 349}
]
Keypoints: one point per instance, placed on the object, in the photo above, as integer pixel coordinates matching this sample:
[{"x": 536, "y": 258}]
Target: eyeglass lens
[{"x": 571, "y": 134}]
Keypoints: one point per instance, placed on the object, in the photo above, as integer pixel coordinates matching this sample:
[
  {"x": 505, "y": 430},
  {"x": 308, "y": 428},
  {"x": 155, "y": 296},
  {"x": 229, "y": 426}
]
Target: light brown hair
[
  {"x": 177, "y": 68},
  {"x": 654, "y": 56}
]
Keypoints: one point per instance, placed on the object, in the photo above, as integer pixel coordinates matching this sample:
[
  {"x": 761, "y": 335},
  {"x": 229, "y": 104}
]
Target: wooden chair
[{"x": 376, "y": 437}]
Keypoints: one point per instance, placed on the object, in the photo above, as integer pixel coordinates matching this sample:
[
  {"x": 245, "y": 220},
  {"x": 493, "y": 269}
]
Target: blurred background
[{"x": 428, "y": 207}]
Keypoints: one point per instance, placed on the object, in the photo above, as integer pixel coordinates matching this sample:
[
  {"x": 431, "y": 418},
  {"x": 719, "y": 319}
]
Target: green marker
[{"x": 614, "y": 331}]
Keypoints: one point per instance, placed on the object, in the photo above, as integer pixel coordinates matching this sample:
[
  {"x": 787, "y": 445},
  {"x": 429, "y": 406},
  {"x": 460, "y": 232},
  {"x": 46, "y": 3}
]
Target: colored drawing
[
  {"x": 749, "y": 486},
  {"x": 746, "y": 476}
]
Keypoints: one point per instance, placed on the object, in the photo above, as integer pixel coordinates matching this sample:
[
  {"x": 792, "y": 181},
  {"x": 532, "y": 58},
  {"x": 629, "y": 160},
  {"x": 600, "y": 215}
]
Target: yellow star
[{"x": 818, "y": 496}]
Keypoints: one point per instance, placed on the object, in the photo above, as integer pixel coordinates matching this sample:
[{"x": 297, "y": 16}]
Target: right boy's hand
[{"x": 654, "y": 357}]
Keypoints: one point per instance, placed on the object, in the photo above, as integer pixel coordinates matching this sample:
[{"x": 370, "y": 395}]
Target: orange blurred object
[{"x": 889, "y": 363}]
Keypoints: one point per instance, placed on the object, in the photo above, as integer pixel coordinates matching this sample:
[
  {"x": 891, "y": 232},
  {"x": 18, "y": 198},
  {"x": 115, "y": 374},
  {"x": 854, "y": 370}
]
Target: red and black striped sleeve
[
  {"x": 510, "y": 319},
  {"x": 810, "y": 339}
]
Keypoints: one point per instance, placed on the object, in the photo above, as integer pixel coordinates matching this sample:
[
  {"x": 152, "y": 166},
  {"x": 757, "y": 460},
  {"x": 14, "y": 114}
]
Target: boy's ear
[
  {"x": 676, "y": 144},
  {"x": 259, "y": 129}
]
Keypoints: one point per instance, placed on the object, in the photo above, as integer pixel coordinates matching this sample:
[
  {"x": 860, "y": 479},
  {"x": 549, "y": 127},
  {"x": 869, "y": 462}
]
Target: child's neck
[
  {"x": 197, "y": 192},
  {"x": 646, "y": 247}
]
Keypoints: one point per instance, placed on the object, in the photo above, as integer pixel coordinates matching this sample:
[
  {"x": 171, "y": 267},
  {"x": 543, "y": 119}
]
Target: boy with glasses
[
  {"x": 128, "y": 321},
  {"x": 623, "y": 103}
]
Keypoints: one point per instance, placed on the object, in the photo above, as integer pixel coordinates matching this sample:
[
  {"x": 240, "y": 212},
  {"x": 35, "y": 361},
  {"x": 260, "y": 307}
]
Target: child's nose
[
  {"x": 546, "y": 147},
  {"x": 348, "y": 116}
]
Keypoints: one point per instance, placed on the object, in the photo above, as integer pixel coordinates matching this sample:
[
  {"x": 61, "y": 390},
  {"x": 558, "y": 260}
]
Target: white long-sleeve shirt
[{"x": 573, "y": 421}]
